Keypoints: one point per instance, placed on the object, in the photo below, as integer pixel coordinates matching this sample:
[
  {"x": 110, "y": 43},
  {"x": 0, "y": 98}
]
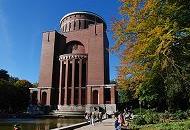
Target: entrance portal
[
  {"x": 44, "y": 98},
  {"x": 95, "y": 97}
]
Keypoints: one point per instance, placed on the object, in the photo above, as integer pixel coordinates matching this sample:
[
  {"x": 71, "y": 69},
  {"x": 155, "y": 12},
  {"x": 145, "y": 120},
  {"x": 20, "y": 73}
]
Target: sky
[{"x": 23, "y": 21}]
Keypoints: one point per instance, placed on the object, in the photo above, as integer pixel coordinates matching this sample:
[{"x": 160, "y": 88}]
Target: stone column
[
  {"x": 80, "y": 81},
  {"x": 89, "y": 94},
  {"x": 39, "y": 96},
  {"x": 112, "y": 93},
  {"x": 86, "y": 71},
  {"x": 101, "y": 95},
  {"x": 66, "y": 78},
  {"x": 60, "y": 81},
  {"x": 73, "y": 82}
]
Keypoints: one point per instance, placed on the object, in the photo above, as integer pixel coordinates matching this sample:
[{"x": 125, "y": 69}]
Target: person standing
[{"x": 121, "y": 119}]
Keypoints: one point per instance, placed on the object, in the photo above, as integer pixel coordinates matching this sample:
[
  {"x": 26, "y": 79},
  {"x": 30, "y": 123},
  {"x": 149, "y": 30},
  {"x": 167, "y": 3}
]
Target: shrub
[
  {"x": 139, "y": 120},
  {"x": 188, "y": 112},
  {"x": 179, "y": 115},
  {"x": 151, "y": 117},
  {"x": 137, "y": 111},
  {"x": 164, "y": 117}
]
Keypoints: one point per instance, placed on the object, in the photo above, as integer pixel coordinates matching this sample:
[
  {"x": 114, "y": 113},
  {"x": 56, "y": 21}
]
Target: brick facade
[{"x": 75, "y": 62}]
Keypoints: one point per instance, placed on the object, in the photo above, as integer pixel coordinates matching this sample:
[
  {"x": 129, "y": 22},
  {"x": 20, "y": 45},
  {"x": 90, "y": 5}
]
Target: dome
[{"x": 79, "y": 20}]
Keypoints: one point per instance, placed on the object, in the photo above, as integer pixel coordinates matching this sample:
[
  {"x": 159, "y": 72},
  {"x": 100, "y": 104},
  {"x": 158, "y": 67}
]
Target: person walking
[
  {"x": 117, "y": 124},
  {"x": 100, "y": 117},
  {"x": 92, "y": 118}
]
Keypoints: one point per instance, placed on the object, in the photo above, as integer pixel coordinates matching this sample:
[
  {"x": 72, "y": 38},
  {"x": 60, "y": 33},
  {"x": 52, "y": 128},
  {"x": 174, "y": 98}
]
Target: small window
[
  {"x": 79, "y": 24},
  {"x": 65, "y": 27},
  {"x": 74, "y": 25},
  {"x": 85, "y": 26},
  {"x": 69, "y": 26}
]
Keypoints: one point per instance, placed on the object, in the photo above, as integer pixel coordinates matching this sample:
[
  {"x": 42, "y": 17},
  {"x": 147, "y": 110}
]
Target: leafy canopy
[{"x": 152, "y": 40}]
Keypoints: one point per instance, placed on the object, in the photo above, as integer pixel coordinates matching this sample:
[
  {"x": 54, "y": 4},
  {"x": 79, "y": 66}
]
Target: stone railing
[
  {"x": 72, "y": 56},
  {"x": 73, "y": 108}
]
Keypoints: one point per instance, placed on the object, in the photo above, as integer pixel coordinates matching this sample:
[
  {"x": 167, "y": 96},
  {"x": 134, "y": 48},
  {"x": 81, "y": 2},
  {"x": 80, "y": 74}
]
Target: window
[
  {"x": 79, "y": 24},
  {"x": 65, "y": 27},
  {"x": 69, "y": 26}
]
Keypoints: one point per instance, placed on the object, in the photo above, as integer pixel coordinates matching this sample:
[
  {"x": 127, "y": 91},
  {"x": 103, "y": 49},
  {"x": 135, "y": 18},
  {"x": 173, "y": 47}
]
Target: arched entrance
[
  {"x": 95, "y": 97},
  {"x": 44, "y": 98},
  {"x": 34, "y": 98}
]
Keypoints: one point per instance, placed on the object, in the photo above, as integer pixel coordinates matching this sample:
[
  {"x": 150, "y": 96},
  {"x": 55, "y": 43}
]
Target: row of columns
[
  {"x": 66, "y": 62},
  {"x": 100, "y": 89}
]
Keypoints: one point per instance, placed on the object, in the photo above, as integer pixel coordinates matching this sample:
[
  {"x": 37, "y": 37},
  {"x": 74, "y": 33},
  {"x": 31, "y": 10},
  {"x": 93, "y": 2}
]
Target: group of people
[
  {"x": 128, "y": 112},
  {"x": 120, "y": 121},
  {"x": 122, "y": 117},
  {"x": 93, "y": 116}
]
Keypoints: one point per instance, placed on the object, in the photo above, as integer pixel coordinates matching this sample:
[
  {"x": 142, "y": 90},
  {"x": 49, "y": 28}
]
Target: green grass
[{"x": 178, "y": 125}]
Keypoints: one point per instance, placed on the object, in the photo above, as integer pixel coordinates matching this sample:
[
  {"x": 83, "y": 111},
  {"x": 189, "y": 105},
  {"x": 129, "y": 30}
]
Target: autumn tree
[{"x": 152, "y": 40}]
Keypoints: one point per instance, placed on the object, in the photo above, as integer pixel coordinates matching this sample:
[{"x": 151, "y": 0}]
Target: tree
[
  {"x": 14, "y": 93},
  {"x": 35, "y": 85},
  {"x": 152, "y": 39},
  {"x": 4, "y": 75},
  {"x": 23, "y": 93}
]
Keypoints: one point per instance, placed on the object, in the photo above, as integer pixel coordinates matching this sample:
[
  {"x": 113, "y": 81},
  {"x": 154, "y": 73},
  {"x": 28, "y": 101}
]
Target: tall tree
[
  {"x": 23, "y": 93},
  {"x": 152, "y": 39}
]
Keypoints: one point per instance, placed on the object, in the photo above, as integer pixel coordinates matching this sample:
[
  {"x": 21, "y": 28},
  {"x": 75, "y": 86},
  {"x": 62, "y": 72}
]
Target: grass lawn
[{"x": 176, "y": 125}]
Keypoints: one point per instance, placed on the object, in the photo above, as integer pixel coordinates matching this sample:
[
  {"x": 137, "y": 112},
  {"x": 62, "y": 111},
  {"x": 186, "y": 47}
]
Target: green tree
[
  {"x": 4, "y": 75},
  {"x": 23, "y": 93},
  {"x": 35, "y": 85},
  {"x": 152, "y": 39},
  {"x": 14, "y": 93}
]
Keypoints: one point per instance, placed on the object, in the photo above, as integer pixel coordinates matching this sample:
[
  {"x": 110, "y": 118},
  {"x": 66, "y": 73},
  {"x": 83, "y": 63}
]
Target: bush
[
  {"x": 151, "y": 117},
  {"x": 179, "y": 115},
  {"x": 137, "y": 111},
  {"x": 164, "y": 117},
  {"x": 188, "y": 112},
  {"x": 139, "y": 120}
]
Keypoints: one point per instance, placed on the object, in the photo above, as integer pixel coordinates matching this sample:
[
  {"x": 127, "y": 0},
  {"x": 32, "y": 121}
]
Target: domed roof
[{"x": 83, "y": 12}]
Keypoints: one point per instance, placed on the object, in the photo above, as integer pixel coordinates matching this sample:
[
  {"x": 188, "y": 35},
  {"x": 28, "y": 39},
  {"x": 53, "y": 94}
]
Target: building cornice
[
  {"x": 82, "y": 12},
  {"x": 72, "y": 56}
]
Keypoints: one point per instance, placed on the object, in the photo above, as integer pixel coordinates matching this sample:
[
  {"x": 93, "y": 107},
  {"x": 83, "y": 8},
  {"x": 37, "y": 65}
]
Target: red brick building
[{"x": 74, "y": 71}]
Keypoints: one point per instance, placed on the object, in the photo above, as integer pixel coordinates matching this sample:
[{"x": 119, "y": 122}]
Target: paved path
[{"x": 107, "y": 124}]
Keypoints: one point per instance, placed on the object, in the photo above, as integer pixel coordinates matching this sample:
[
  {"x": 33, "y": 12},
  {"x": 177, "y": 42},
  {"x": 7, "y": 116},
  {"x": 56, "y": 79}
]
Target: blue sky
[{"x": 23, "y": 21}]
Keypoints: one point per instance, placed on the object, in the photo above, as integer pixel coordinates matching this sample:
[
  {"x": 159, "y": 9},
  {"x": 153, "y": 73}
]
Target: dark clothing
[{"x": 117, "y": 123}]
